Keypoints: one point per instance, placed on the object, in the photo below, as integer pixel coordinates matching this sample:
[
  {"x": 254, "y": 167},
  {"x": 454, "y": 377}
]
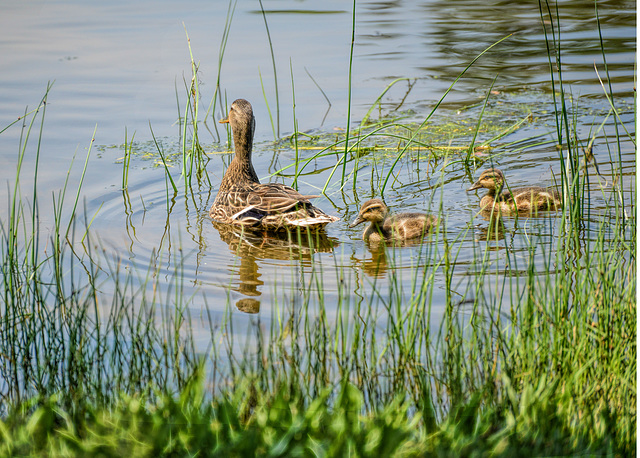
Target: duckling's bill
[
  {"x": 358, "y": 220},
  {"x": 224, "y": 120}
]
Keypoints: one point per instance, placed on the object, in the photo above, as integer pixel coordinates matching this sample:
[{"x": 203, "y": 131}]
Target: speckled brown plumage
[
  {"x": 243, "y": 200},
  {"x": 402, "y": 226},
  {"x": 528, "y": 199}
]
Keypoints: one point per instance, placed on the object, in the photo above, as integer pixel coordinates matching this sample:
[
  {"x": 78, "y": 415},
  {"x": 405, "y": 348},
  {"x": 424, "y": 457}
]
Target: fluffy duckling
[
  {"x": 402, "y": 226},
  {"x": 529, "y": 199},
  {"x": 243, "y": 200}
]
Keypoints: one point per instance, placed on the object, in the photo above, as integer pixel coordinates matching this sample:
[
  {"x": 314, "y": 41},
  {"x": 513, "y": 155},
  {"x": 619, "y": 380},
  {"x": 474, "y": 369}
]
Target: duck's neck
[
  {"x": 241, "y": 169},
  {"x": 377, "y": 228},
  {"x": 243, "y": 142},
  {"x": 495, "y": 193}
]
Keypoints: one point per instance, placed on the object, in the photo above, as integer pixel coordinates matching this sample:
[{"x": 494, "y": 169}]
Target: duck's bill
[
  {"x": 474, "y": 187},
  {"x": 224, "y": 120}
]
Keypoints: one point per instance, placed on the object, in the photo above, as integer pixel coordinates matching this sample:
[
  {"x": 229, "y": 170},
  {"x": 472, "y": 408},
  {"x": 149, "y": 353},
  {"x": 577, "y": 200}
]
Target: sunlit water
[{"x": 119, "y": 66}]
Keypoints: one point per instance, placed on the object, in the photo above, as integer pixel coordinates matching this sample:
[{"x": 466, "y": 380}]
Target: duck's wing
[
  {"x": 271, "y": 204},
  {"x": 274, "y": 198}
]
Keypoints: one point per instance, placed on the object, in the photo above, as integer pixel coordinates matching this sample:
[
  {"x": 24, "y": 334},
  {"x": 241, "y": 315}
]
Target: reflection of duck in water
[
  {"x": 243, "y": 200},
  {"x": 282, "y": 245},
  {"x": 529, "y": 199},
  {"x": 376, "y": 266},
  {"x": 494, "y": 231},
  {"x": 248, "y": 305},
  {"x": 251, "y": 246},
  {"x": 399, "y": 227}
]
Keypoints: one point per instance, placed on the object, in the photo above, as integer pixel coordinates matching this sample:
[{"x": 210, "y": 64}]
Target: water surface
[{"x": 121, "y": 66}]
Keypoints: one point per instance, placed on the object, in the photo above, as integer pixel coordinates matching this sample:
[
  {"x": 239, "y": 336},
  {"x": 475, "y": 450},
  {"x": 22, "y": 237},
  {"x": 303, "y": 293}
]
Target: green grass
[{"x": 281, "y": 423}]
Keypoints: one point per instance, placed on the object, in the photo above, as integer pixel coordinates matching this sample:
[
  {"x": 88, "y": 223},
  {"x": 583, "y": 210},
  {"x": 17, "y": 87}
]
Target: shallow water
[{"x": 117, "y": 65}]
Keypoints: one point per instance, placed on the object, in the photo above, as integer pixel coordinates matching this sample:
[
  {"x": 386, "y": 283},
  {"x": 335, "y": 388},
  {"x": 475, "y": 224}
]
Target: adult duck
[
  {"x": 506, "y": 200},
  {"x": 243, "y": 200},
  {"x": 398, "y": 227}
]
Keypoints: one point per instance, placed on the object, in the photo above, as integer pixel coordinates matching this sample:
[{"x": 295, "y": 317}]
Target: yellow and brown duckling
[
  {"x": 399, "y": 227},
  {"x": 529, "y": 199},
  {"x": 243, "y": 200}
]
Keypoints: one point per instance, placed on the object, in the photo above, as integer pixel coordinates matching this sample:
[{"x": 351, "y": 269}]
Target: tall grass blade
[
  {"x": 217, "y": 95},
  {"x": 275, "y": 73},
  {"x": 349, "y": 80},
  {"x": 164, "y": 161}
]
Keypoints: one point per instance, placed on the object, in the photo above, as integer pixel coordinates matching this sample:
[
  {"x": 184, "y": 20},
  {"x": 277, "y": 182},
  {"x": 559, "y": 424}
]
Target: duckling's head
[
  {"x": 243, "y": 124},
  {"x": 374, "y": 211},
  {"x": 491, "y": 179}
]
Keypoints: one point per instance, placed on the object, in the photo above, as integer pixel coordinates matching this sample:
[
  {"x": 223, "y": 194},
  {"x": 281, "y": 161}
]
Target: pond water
[{"x": 122, "y": 66}]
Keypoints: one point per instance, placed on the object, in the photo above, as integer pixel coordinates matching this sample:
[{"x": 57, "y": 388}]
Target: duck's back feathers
[
  {"x": 270, "y": 205},
  {"x": 529, "y": 199},
  {"x": 538, "y": 197},
  {"x": 404, "y": 226}
]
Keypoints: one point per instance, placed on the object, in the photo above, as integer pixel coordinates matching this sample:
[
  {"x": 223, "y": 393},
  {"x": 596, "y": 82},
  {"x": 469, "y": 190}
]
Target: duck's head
[
  {"x": 373, "y": 210},
  {"x": 492, "y": 179},
  {"x": 242, "y": 123}
]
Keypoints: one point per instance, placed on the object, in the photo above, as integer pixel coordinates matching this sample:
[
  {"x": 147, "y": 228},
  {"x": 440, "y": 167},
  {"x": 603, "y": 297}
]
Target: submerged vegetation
[{"x": 535, "y": 353}]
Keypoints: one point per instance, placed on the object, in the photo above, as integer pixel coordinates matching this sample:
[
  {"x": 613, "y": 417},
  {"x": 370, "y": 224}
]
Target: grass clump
[{"x": 280, "y": 423}]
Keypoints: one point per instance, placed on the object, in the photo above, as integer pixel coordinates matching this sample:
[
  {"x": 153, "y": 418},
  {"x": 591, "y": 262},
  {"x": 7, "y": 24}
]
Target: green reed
[
  {"x": 194, "y": 159},
  {"x": 411, "y": 140},
  {"x": 378, "y": 101},
  {"x": 296, "y": 160},
  {"x": 276, "y": 132},
  {"x": 475, "y": 133},
  {"x": 568, "y": 156},
  {"x": 266, "y": 101},
  {"x": 348, "y": 128},
  {"x": 217, "y": 95}
]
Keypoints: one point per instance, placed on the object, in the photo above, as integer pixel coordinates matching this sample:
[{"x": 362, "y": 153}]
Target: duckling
[
  {"x": 402, "y": 226},
  {"x": 243, "y": 200},
  {"x": 529, "y": 199}
]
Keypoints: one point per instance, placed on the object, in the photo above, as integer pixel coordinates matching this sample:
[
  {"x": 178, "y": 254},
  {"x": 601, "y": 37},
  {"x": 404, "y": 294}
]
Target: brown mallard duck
[
  {"x": 243, "y": 200},
  {"x": 399, "y": 227},
  {"x": 529, "y": 199}
]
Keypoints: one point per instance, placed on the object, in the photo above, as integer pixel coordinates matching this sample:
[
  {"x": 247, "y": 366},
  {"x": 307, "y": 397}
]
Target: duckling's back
[
  {"x": 404, "y": 226},
  {"x": 533, "y": 198}
]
